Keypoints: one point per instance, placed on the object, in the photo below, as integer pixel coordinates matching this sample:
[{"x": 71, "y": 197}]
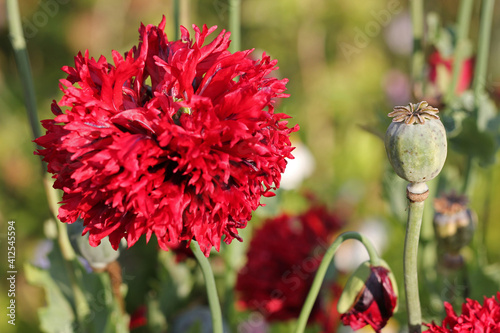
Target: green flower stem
[
  {"x": 24, "y": 68},
  {"x": 410, "y": 266},
  {"x": 320, "y": 274},
  {"x": 213, "y": 298},
  {"x": 483, "y": 48},
  {"x": 464, "y": 17},
  {"x": 479, "y": 81},
  {"x": 177, "y": 19},
  {"x": 23, "y": 64},
  {"x": 235, "y": 25},
  {"x": 417, "y": 59},
  {"x": 469, "y": 175}
]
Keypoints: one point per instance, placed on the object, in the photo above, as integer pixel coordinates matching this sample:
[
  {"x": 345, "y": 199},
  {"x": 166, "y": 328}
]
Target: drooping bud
[
  {"x": 369, "y": 297},
  {"x": 99, "y": 256},
  {"x": 453, "y": 222},
  {"x": 415, "y": 142}
]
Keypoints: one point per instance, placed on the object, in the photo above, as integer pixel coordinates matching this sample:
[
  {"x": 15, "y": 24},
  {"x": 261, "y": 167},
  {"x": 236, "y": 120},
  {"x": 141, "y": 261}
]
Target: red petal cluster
[
  {"x": 175, "y": 138},
  {"x": 436, "y": 60},
  {"x": 283, "y": 257},
  {"x": 375, "y": 303},
  {"x": 474, "y": 318},
  {"x": 139, "y": 318}
]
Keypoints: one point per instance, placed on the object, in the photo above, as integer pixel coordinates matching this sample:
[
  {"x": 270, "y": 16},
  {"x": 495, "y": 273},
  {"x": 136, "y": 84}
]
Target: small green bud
[
  {"x": 98, "y": 257},
  {"x": 415, "y": 142}
]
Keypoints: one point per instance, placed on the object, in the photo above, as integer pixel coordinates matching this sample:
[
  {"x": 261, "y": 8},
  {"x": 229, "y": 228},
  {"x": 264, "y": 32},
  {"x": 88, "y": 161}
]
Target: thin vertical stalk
[
  {"x": 480, "y": 71},
  {"x": 414, "y": 223},
  {"x": 485, "y": 218},
  {"x": 177, "y": 19},
  {"x": 468, "y": 176},
  {"x": 213, "y": 298},
  {"x": 417, "y": 59},
  {"x": 464, "y": 17},
  {"x": 320, "y": 274},
  {"x": 23, "y": 64},
  {"x": 235, "y": 25},
  {"x": 483, "y": 48}
]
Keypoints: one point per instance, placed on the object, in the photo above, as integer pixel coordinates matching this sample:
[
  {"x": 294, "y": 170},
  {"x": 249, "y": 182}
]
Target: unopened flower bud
[
  {"x": 99, "y": 256},
  {"x": 453, "y": 222},
  {"x": 415, "y": 142},
  {"x": 369, "y": 297}
]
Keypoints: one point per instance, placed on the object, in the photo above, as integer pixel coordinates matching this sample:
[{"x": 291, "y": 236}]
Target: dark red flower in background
[
  {"x": 474, "y": 318},
  {"x": 283, "y": 257},
  {"x": 139, "y": 318},
  {"x": 375, "y": 303},
  {"x": 175, "y": 138}
]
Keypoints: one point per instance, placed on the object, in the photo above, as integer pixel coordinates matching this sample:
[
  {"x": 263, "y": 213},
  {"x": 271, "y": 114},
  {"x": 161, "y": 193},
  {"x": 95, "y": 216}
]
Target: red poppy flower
[
  {"x": 176, "y": 139},
  {"x": 474, "y": 318},
  {"x": 440, "y": 71},
  {"x": 283, "y": 258},
  {"x": 375, "y": 303},
  {"x": 138, "y": 318}
]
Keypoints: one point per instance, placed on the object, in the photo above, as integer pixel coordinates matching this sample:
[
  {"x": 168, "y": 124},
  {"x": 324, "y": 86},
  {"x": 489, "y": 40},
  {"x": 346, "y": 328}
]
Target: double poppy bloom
[
  {"x": 276, "y": 279},
  {"x": 474, "y": 318},
  {"x": 176, "y": 139}
]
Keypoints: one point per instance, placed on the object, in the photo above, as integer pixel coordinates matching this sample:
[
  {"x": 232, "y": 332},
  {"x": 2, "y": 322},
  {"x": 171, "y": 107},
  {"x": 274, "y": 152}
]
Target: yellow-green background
[{"x": 332, "y": 98}]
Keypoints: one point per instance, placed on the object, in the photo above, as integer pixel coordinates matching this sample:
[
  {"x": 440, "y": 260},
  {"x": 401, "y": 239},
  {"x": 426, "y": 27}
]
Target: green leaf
[
  {"x": 157, "y": 322},
  {"x": 58, "y": 315},
  {"x": 105, "y": 313},
  {"x": 472, "y": 142},
  {"x": 473, "y": 132},
  {"x": 485, "y": 281}
]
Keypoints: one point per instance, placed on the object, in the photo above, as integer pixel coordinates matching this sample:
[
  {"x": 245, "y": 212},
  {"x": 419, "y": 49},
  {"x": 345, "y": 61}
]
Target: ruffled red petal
[{"x": 174, "y": 138}]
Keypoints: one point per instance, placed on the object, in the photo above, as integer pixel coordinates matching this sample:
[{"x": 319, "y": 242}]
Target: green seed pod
[{"x": 415, "y": 142}]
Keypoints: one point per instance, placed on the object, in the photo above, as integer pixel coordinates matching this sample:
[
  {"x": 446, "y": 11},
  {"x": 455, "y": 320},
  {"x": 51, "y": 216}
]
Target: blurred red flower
[
  {"x": 474, "y": 318},
  {"x": 139, "y": 318},
  {"x": 176, "y": 139},
  {"x": 375, "y": 302},
  {"x": 283, "y": 257},
  {"x": 440, "y": 72}
]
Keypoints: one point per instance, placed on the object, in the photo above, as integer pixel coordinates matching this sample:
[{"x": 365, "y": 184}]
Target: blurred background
[{"x": 348, "y": 63}]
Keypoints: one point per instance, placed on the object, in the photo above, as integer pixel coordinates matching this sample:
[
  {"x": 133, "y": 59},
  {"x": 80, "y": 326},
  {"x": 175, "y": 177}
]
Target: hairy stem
[
  {"x": 410, "y": 266},
  {"x": 320, "y": 274},
  {"x": 213, "y": 298}
]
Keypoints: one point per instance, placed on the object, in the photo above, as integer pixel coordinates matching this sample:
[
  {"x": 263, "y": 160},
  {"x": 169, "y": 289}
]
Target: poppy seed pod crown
[{"x": 415, "y": 142}]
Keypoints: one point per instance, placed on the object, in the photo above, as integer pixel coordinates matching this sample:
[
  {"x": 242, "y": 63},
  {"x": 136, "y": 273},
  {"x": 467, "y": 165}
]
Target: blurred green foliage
[{"x": 339, "y": 97}]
